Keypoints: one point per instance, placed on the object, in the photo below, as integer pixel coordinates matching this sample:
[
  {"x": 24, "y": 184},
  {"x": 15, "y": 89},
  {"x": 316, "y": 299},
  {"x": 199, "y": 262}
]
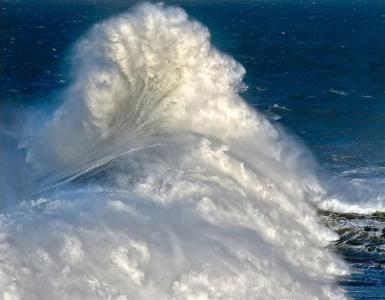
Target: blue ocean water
[
  {"x": 321, "y": 60},
  {"x": 317, "y": 67}
]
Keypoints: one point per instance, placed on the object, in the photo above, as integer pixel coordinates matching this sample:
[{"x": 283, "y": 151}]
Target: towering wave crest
[{"x": 175, "y": 188}]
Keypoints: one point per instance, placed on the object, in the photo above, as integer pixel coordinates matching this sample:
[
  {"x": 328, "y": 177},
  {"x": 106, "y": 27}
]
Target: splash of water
[{"x": 176, "y": 188}]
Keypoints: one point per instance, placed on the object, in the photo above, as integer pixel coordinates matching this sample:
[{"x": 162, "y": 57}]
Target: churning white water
[{"x": 155, "y": 180}]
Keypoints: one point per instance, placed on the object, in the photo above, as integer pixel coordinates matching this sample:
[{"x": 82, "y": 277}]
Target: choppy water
[{"x": 153, "y": 150}]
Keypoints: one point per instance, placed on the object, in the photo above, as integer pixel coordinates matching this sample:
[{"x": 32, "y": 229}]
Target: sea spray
[{"x": 174, "y": 188}]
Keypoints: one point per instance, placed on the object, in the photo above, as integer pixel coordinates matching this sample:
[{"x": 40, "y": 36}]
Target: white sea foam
[
  {"x": 183, "y": 191},
  {"x": 359, "y": 195}
]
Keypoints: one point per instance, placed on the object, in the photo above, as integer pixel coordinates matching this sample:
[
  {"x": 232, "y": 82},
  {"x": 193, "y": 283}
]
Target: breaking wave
[{"x": 155, "y": 180}]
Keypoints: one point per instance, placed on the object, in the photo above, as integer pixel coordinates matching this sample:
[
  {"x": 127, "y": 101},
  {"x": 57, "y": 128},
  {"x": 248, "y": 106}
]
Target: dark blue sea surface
[{"x": 316, "y": 67}]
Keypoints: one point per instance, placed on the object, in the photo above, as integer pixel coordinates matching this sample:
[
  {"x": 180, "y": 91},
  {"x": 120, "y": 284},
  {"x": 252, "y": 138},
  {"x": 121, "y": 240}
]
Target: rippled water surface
[{"x": 316, "y": 67}]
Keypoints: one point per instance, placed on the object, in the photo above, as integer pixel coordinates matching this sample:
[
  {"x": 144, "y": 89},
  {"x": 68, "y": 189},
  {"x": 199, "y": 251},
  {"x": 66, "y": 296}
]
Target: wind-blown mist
[{"x": 155, "y": 180}]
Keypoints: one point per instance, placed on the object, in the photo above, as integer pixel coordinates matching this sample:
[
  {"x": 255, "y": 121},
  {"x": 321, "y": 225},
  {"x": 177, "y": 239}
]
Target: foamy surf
[{"x": 174, "y": 187}]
